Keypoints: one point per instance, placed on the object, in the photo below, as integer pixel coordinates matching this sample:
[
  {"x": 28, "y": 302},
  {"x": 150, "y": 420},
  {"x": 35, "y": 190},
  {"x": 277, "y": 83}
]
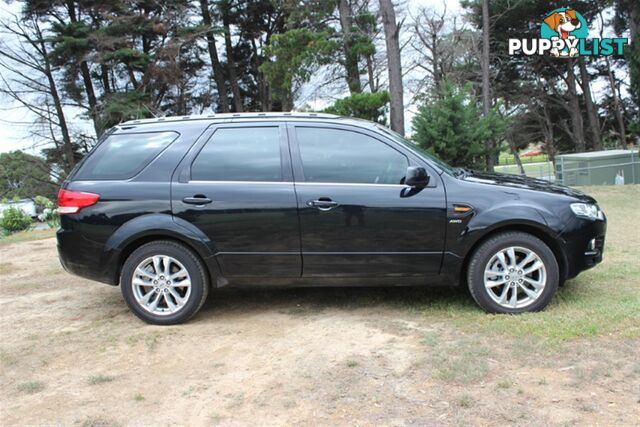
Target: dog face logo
[{"x": 564, "y": 24}]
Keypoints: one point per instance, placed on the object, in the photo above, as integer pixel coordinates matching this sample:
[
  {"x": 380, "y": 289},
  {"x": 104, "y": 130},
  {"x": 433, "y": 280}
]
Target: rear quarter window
[{"x": 124, "y": 155}]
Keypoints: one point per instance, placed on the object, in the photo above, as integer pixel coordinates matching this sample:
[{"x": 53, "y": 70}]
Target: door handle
[
  {"x": 323, "y": 204},
  {"x": 198, "y": 199}
]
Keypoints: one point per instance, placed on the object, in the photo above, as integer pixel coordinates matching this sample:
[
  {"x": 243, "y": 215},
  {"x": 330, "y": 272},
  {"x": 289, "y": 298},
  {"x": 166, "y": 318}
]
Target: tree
[
  {"x": 295, "y": 55},
  {"x": 394, "y": 65},
  {"x": 351, "y": 53},
  {"x": 218, "y": 70},
  {"x": 454, "y": 127},
  {"x": 368, "y": 106},
  {"x": 592, "y": 113},
  {"x": 444, "y": 49},
  {"x": 486, "y": 82},
  {"x": 30, "y": 82},
  {"x": 25, "y": 176},
  {"x": 225, "y": 8}
]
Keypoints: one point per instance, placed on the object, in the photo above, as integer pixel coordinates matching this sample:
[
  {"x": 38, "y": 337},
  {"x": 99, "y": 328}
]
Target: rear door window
[
  {"x": 124, "y": 155},
  {"x": 240, "y": 154}
]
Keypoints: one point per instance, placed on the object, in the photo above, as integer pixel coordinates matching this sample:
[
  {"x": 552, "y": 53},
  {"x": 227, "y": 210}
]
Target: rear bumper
[
  {"x": 82, "y": 257},
  {"x": 583, "y": 245}
]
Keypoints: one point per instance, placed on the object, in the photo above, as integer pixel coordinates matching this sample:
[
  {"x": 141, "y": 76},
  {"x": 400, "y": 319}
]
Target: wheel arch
[
  {"x": 148, "y": 228},
  {"x": 535, "y": 230}
]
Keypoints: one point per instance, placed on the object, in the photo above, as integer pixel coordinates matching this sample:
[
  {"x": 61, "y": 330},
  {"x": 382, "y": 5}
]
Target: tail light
[{"x": 70, "y": 202}]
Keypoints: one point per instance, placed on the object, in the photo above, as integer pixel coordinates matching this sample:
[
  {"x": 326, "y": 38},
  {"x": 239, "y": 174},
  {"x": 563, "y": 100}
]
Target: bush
[
  {"x": 453, "y": 128},
  {"x": 14, "y": 219},
  {"x": 49, "y": 212}
]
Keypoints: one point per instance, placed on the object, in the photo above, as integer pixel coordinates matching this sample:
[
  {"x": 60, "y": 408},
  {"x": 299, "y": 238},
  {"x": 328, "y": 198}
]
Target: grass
[
  {"x": 601, "y": 301},
  {"x": 138, "y": 397},
  {"x": 31, "y": 387},
  {"x": 465, "y": 401},
  {"x": 100, "y": 379},
  {"x": 508, "y": 159},
  {"x": 532, "y": 169},
  {"x": 26, "y": 236}
]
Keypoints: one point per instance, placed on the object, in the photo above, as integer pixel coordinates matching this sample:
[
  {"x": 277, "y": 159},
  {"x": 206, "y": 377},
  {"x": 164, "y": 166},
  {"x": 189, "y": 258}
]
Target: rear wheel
[
  {"x": 164, "y": 283},
  {"x": 513, "y": 272}
]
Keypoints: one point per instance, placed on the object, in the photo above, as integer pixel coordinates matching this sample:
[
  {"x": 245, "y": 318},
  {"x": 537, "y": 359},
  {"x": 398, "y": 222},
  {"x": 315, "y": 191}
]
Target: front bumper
[{"x": 583, "y": 242}]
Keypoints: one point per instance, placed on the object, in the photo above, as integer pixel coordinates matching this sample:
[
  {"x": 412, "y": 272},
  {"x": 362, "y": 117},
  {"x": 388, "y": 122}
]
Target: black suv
[{"x": 169, "y": 207}]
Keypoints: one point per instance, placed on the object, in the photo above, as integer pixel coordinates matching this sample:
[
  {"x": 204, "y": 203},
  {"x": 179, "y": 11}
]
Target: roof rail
[{"x": 229, "y": 116}]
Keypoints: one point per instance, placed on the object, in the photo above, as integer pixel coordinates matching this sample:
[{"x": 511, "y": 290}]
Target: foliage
[
  {"x": 295, "y": 55},
  {"x": 453, "y": 128},
  {"x": 14, "y": 219},
  {"x": 119, "y": 60},
  {"x": 23, "y": 175},
  {"x": 368, "y": 106},
  {"x": 49, "y": 212}
]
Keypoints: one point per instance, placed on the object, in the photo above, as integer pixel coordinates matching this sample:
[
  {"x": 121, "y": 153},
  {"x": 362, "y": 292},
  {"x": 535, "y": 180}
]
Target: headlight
[{"x": 587, "y": 210}]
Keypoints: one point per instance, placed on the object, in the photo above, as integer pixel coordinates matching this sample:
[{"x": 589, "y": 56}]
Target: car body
[{"x": 292, "y": 199}]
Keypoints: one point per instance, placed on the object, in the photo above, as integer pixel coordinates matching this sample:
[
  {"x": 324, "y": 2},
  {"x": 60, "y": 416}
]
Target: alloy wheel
[
  {"x": 161, "y": 285},
  {"x": 515, "y": 277}
]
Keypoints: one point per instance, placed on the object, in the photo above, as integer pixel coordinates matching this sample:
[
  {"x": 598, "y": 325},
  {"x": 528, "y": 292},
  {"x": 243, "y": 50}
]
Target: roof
[
  {"x": 598, "y": 154},
  {"x": 231, "y": 116}
]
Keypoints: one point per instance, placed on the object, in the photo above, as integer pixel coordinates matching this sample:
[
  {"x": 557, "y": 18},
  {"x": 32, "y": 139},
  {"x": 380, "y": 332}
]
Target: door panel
[
  {"x": 251, "y": 217},
  {"x": 372, "y": 227},
  {"x": 374, "y": 230}
]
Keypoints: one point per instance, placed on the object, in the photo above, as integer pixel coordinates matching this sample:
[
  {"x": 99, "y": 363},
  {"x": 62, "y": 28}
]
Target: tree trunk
[
  {"x": 231, "y": 63},
  {"x": 516, "y": 156},
  {"x": 70, "y": 160},
  {"x": 373, "y": 87},
  {"x": 394, "y": 65},
  {"x": 86, "y": 79},
  {"x": 592, "y": 114},
  {"x": 547, "y": 130},
  {"x": 633, "y": 21},
  {"x": 91, "y": 97},
  {"x": 616, "y": 104},
  {"x": 577, "y": 125},
  {"x": 351, "y": 57},
  {"x": 486, "y": 83},
  {"x": 218, "y": 70},
  {"x": 437, "y": 78}
]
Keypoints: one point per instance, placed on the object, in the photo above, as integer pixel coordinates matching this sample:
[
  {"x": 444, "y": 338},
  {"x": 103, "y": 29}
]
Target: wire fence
[{"x": 578, "y": 173}]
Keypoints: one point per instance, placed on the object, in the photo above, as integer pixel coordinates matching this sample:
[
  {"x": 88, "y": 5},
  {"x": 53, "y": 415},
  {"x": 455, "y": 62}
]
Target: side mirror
[{"x": 416, "y": 177}]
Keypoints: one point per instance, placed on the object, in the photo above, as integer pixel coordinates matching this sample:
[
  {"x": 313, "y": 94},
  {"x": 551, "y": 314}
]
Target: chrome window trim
[{"x": 359, "y": 184}]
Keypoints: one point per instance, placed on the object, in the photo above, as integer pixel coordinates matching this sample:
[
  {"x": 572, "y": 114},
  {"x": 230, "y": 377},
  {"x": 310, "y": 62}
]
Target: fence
[
  {"x": 596, "y": 168},
  {"x": 574, "y": 174},
  {"x": 540, "y": 170}
]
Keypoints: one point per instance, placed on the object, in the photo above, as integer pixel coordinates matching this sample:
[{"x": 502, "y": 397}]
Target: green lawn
[
  {"x": 602, "y": 301},
  {"x": 508, "y": 159},
  {"x": 536, "y": 170}
]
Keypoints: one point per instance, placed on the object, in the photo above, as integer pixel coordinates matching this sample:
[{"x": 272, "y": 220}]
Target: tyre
[
  {"x": 164, "y": 282},
  {"x": 513, "y": 272}
]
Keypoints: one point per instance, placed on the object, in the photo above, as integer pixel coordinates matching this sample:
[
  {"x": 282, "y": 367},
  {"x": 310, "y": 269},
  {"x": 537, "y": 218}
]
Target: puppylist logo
[{"x": 564, "y": 34}]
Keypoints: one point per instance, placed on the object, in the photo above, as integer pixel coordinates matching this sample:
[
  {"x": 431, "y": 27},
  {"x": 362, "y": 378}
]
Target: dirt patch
[{"x": 71, "y": 353}]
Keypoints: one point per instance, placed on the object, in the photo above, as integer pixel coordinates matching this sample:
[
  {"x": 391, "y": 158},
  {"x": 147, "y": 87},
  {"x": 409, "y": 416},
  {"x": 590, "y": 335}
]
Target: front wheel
[
  {"x": 513, "y": 272},
  {"x": 164, "y": 282}
]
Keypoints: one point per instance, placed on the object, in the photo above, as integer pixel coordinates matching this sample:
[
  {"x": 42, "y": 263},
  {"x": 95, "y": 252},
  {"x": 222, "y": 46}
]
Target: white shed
[{"x": 27, "y": 206}]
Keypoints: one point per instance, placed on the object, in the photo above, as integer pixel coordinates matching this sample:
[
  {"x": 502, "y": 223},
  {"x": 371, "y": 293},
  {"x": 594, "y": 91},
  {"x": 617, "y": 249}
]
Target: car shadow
[{"x": 310, "y": 300}]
